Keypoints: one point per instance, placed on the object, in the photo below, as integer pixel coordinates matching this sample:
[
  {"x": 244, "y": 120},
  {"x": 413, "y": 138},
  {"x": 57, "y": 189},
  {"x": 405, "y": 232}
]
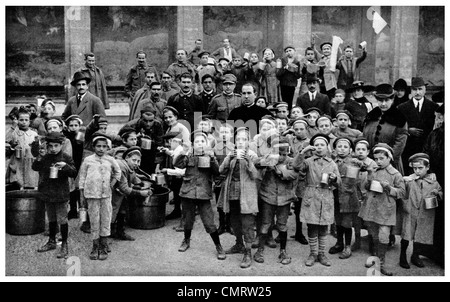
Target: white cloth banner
[
  {"x": 378, "y": 23},
  {"x": 334, "y": 50}
]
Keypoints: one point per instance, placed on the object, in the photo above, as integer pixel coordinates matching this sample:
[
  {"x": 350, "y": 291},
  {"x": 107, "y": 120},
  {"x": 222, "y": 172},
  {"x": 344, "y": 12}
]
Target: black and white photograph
[{"x": 258, "y": 141}]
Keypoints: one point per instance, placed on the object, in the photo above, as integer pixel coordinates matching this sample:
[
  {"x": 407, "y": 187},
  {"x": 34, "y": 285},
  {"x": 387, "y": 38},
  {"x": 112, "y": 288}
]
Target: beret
[{"x": 131, "y": 150}]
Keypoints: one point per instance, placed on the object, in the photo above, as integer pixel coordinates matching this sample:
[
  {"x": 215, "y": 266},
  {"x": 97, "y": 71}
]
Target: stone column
[
  {"x": 189, "y": 26},
  {"x": 77, "y": 27},
  {"x": 404, "y": 42},
  {"x": 297, "y": 27}
]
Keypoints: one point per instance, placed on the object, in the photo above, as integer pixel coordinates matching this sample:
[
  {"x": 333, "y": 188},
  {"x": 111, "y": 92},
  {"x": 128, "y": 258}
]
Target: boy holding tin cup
[
  {"x": 386, "y": 185},
  {"x": 54, "y": 188},
  {"x": 422, "y": 193}
]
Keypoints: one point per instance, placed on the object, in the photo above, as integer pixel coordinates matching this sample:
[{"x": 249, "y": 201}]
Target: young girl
[
  {"x": 346, "y": 201},
  {"x": 55, "y": 192},
  {"x": 239, "y": 195},
  {"x": 276, "y": 193},
  {"x": 418, "y": 221},
  {"x": 19, "y": 170},
  {"x": 343, "y": 118},
  {"x": 317, "y": 209},
  {"x": 98, "y": 175},
  {"x": 196, "y": 190},
  {"x": 379, "y": 209},
  {"x": 362, "y": 149},
  {"x": 269, "y": 81}
]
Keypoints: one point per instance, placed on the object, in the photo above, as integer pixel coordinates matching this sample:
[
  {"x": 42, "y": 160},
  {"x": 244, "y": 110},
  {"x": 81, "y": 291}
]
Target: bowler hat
[
  {"x": 384, "y": 91},
  {"x": 417, "y": 82},
  {"x": 311, "y": 78},
  {"x": 80, "y": 75},
  {"x": 359, "y": 85}
]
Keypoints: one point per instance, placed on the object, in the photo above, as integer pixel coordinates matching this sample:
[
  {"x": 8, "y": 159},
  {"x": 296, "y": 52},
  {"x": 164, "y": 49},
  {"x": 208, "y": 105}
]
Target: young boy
[
  {"x": 362, "y": 149},
  {"x": 98, "y": 175},
  {"x": 74, "y": 124},
  {"x": 55, "y": 191},
  {"x": 282, "y": 125},
  {"x": 298, "y": 142},
  {"x": 418, "y": 221},
  {"x": 379, "y": 209},
  {"x": 196, "y": 190},
  {"x": 239, "y": 69},
  {"x": 311, "y": 115},
  {"x": 282, "y": 110},
  {"x": 317, "y": 209},
  {"x": 324, "y": 125},
  {"x": 222, "y": 149},
  {"x": 239, "y": 195},
  {"x": 310, "y": 67},
  {"x": 205, "y": 125},
  {"x": 296, "y": 112},
  {"x": 338, "y": 102},
  {"x": 343, "y": 118},
  {"x": 346, "y": 201},
  {"x": 276, "y": 193},
  {"x": 20, "y": 170},
  {"x": 131, "y": 160}
]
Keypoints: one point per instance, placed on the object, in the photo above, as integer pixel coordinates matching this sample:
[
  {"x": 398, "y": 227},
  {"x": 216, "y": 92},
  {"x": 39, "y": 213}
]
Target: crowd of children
[{"x": 320, "y": 165}]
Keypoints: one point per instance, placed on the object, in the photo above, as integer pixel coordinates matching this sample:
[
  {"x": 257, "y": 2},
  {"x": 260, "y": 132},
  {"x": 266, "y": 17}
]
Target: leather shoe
[
  {"x": 336, "y": 249},
  {"x": 184, "y": 245},
  {"x": 270, "y": 242},
  {"x": 64, "y": 251},
  {"x": 311, "y": 260},
  {"x": 417, "y": 261},
  {"x": 236, "y": 249},
  {"x": 86, "y": 227},
  {"x": 284, "y": 258},
  {"x": 220, "y": 253},
  {"x": 124, "y": 236},
  {"x": 302, "y": 239},
  {"x": 324, "y": 260},
  {"x": 50, "y": 245},
  {"x": 259, "y": 255}
]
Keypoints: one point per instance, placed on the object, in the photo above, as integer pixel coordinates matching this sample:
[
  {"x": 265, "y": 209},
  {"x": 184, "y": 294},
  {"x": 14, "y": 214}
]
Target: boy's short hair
[
  {"x": 282, "y": 118},
  {"x": 186, "y": 75},
  {"x": 309, "y": 49},
  {"x": 207, "y": 76},
  {"x": 23, "y": 110},
  {"x": 141, "y": 52},
  {"x": 88, "y": 54}
]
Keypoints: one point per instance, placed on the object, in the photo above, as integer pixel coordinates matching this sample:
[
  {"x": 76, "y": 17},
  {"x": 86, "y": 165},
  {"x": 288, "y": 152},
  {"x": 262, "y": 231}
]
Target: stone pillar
[
  {"x": 297, "y": 27},
  {"x": 189, "y": 26},
  {"x": 77, "y": 27},
  {"x": 404, "y": 42}
]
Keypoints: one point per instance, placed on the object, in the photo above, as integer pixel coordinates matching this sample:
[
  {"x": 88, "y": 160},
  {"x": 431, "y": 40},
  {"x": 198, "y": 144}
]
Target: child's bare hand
[
  {"x": 60, "y": 164},
  {"x": 42, "y": 151},
  {"x": 385, "y": 184},
  {"x": 332, "y": 176},
  {"x": 309, "y": 148},
  {"x": 434, "y": 192}
]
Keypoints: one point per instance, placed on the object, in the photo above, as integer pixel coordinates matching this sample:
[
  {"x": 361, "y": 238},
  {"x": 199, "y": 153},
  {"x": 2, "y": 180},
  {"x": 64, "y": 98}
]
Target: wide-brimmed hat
[
  {"x": 417, "y": 82},
  {"x": 384, "y": 91},
  {"x": 78, "y": 76},
  {"x": 359, "y": 85}
]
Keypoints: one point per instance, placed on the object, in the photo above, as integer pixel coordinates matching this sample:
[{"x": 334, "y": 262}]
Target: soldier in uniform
[
  {"x": 208, "y": 91},
  {"x": 136, "y": 75},
  {"x": 222, "y": 104}
]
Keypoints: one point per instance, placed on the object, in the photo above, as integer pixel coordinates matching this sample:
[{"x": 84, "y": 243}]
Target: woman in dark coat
[
  {"x": 403, "y": 91},
  {"x": 386, "y": 124}
]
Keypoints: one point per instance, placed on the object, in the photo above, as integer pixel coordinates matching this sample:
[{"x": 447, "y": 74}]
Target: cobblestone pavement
[{"x": 155, "y": 253}]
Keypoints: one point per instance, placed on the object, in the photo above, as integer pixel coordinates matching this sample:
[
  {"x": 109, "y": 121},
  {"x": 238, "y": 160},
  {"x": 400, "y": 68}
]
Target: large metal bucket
[
  {"x": 25, "y": 212},
  {"x": 149, "y": 213}
]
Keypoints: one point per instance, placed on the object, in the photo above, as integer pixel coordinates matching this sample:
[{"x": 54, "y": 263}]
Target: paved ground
[{"x": 154, "y": 253}]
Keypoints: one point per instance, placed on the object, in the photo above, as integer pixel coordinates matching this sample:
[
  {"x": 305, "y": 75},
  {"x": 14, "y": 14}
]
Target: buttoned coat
[
  {"x": 321, "y": 102},
  {"x": 89, "y": 106},
  {"x": 222, "y": 104},
  {"x": 381, "y": 207},
  {"x": 318, "y": 202},
  {"x": 247, "y": 183},
  {"x": 414, "y": 209},
  {"x": 97, "y": 86},
  {"x": 197, "y": 182}
]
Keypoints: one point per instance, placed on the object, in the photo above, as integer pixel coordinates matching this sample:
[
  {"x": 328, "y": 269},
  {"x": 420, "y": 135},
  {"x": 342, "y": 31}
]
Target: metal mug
[
  {"x": 146, "y": 143},
  {"x": 53, "y": 172},
  {"x": 362, "y": 45},
  {"x": 431, "y": 202},
  {"x": 204, "y": 161},
  {"x": 325, "y": 179},
  {"x": 18, "y": 152},
  {"x": 153, "y": 177},
  {"x": 240, "y": 153},
  {"x": 79, "y": 136},
  {"x": 83, "y": 215},
  {"x": 279, "y": 64},
  {"x": 375, "y": 186},
  {"x": 160, "y": 179},
  {"x": 352, "y": 172}
]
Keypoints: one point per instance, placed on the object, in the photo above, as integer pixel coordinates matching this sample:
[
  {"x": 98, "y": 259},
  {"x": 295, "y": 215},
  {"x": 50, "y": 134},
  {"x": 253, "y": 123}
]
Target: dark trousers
[
  {"x": 206, "y": 213},
  {"x": 287, "y": 95},
  {"x": 242, "y": 224}
]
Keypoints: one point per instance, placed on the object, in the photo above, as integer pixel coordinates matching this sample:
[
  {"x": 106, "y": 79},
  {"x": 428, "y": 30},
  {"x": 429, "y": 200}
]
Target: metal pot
[
  {"x": 25, "y": 212},
  {"x": 146, "y": 143},
  {"x": 53, "y": 172},
  {"x": 431, "y": 202},
  {"x": 375, "y": 186},
  {"x": 204, "y": 162}
]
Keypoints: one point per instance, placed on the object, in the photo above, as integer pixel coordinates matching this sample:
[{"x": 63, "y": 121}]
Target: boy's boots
[
  {"x": 247, "y": 259},
  {"x": 403, "y": 261},
  {"x": 415, "y": 259},
  {"x": 382, "y": 248},
  {"x": 102, "y": 250},
  {"x": 94, "y": 251}
]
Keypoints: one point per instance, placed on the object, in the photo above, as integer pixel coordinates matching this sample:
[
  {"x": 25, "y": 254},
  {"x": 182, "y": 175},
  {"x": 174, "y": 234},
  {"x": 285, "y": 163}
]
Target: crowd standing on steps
[{"x": 252, "y": 138}]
